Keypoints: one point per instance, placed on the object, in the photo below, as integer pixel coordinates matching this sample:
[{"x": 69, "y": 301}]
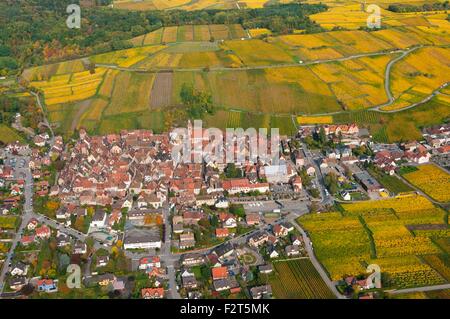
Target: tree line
[{"x": 437, "y": 6}]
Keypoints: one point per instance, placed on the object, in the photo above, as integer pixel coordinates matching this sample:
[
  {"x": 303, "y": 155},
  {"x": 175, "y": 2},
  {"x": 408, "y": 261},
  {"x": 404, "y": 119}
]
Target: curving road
[
  {"x": 387, "y": 77},
  {"x": 38, "y": 100},
  {"x": 315, "y": 262}
]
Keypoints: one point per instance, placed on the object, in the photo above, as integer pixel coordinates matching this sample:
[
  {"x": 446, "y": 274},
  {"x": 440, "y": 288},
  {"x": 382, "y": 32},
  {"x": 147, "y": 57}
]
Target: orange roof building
[{"x": 219, "y": 273}]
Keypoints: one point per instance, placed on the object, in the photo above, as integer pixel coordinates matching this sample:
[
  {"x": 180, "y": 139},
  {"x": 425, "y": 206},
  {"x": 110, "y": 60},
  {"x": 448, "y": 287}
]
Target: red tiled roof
[
  {"x": 222, "y": 232},
  {"x": 219, "y": 273},
  {"x": 152, "y": 292}
]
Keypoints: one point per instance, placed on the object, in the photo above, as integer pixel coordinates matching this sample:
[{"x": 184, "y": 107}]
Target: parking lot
[{"x": 298, "y": 206}]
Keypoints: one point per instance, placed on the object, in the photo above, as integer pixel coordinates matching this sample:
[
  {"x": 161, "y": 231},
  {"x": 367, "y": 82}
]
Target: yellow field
[
  {"x": 79, "y": 86},
  {"x": 207, "y": 59},
  {"x": 351, "y": 15},
  {"x": 399, "y": 204},
  {"x": 356, "y": 83},
  {"x": 148, "y": 4},
  {"x": 432, "y": 180},
  {"x": 188, "y": 4},
  {"x": 257, "y": 52},
  {"x": 189, "y": 33},
  {"x": 258, "y": 32},
  {"x": 377, "y": 232},
  {"x": 315, "y": 119},
  {"x": 302, "y": 77},
  {"x": 331, "y": 45},
  {"x": 418, "y": 75},
  {"x": 45, "y": 72},
  {"x": 128, "y": 57}
]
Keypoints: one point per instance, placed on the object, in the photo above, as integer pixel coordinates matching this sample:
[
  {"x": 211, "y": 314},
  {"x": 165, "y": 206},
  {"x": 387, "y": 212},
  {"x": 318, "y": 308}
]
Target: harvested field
[
  {"x": 185, "y": 33},
  {"x": 170, "y": 34},
  {"x": 201, "y": 33},
  {"x": 161, "y": 95}
]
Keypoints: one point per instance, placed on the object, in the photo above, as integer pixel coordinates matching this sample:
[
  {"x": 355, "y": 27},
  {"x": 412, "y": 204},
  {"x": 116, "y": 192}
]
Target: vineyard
[
  {"x": 268, "y": 78},
  {"x": 440, "y": 263},
  {"x": 188, "y": 33},
  {"x": 302, "y": 120},
  {"x": 432, "y": 180},
  {"x": 298, "y": 279},
  {"x": 391, "y": 183},
  {"x": 68, "y": 88},
  {"x": 393, "y": 233}
]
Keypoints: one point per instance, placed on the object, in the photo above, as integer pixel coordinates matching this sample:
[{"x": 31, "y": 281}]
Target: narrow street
[
  {"x": 26, "y": 216},
  {"x": 314, "y": 261},
  {"x": 318, "y": 180},
  {"x": 166, "y": 256}
]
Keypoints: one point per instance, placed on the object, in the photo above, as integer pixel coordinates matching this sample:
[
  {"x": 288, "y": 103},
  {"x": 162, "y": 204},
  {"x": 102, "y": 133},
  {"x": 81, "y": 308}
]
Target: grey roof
[
  {"x": 98, "y": 216},
  {"x": 221, "y": 284},
  {"x": 223, "y": 249},
  {"x": 259, "y": 291},
  {"x": 265, "y": 267},
  {"x": 134, "y": 236}
]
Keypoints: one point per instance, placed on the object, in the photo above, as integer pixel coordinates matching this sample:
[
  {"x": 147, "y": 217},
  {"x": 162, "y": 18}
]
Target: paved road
[
  {"x": 38, "y": 100},
  {"x": 256, "y": 67},
  {"x": 387, "y": 77},
  {"x": 167, "y": 256},
  {"x": 315, "y": 262},
  {"x": 318, "y": 180},
  {"x": 420, "y": 289},
  {"x": 27, "y": 214},
  {"x": 60, "y": 226}
]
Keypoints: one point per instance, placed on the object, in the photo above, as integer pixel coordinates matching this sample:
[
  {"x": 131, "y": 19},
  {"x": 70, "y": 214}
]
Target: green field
[
  {"x": 391, "y": 183},
  {"x": 9, "y": 135},
  {"x": 298, "y": 279},
  {"x": 9, "y": 222}
]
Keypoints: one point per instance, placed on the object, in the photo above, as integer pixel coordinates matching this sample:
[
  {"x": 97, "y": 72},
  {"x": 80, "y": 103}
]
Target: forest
[
  {"x": 401, "y": 8},
  {"x": 34, "y": 32}
]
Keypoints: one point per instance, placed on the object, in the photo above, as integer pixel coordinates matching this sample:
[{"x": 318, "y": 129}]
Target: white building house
[{"x": 142, "y": 239}]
